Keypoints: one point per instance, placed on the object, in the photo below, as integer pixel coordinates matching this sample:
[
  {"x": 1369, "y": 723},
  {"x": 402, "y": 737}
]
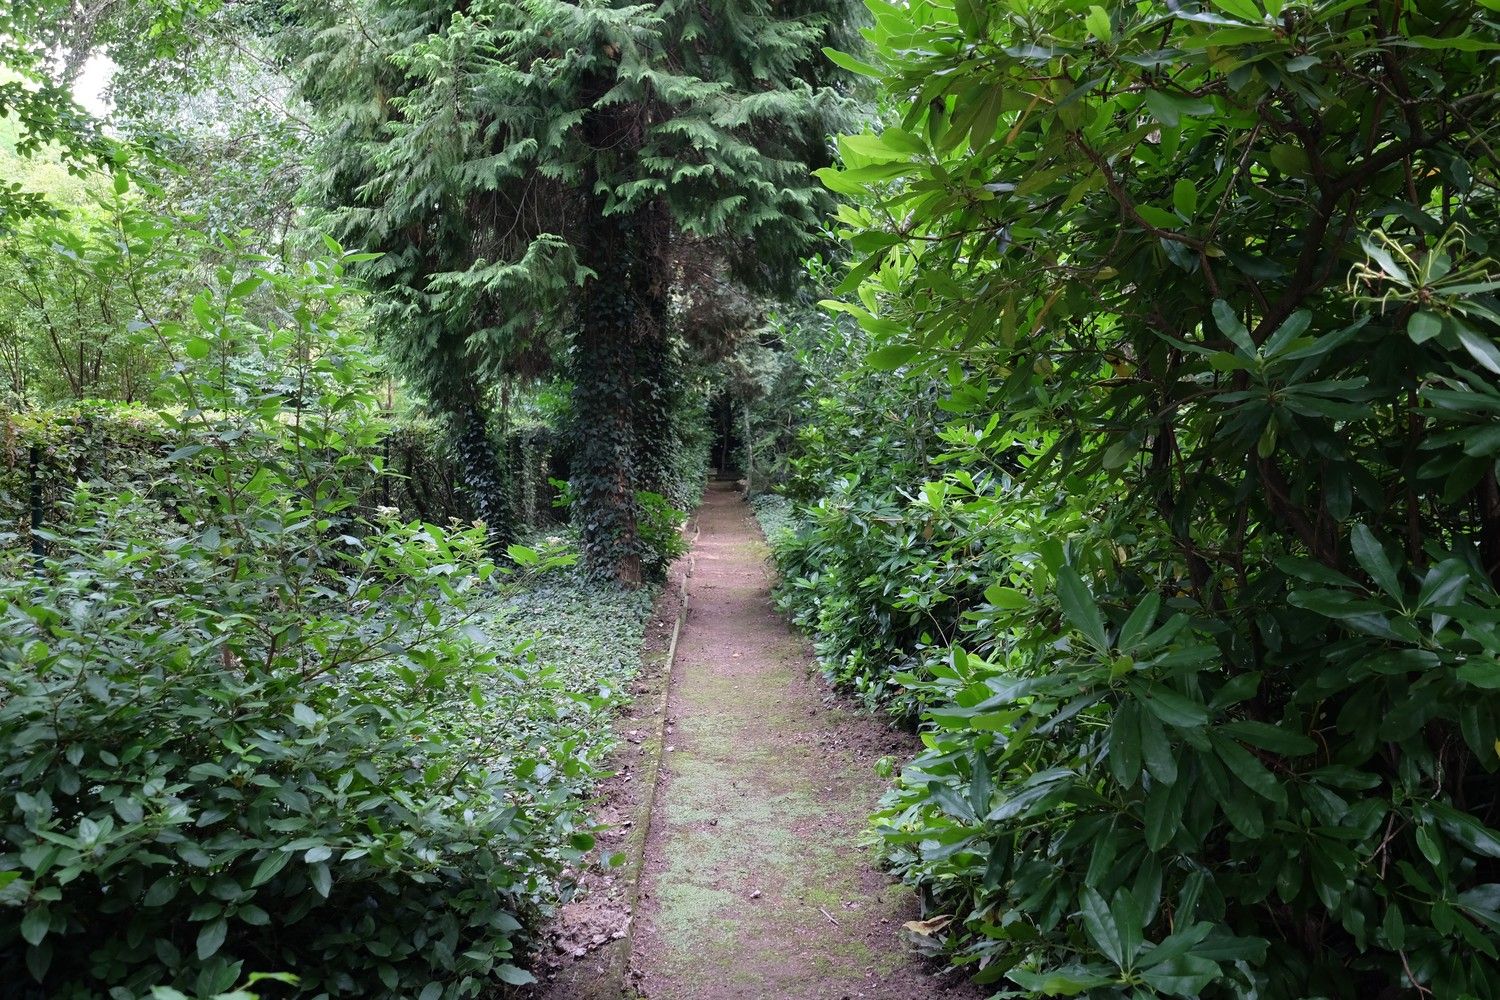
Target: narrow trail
[{"x": 754, "y": 883}]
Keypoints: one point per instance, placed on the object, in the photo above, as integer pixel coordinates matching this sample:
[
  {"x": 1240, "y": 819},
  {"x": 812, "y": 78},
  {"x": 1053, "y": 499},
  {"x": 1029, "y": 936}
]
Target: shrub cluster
[
  {"x": 1207, "y": 294},
  {"x": 246, "y": 728}
]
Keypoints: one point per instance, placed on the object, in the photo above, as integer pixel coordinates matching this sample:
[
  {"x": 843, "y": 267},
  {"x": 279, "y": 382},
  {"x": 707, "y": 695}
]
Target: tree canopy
[{"x": 540, "y": 176}]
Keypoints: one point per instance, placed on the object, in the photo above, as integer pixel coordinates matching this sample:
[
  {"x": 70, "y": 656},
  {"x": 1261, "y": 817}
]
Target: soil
[
  {"x": 756, "y": 882},
  {"x": 581, "y": 953}
]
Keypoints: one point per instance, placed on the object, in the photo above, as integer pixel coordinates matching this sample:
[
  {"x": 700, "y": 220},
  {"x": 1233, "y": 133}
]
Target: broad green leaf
[
  {"x": 1008, "y": 598},
  {"x": 35, "y": 924},
  {"x": 1169, "y": 109},
  {"x": 1129, "y": 916},
  {"x": 1124, "y": 745},
  {"x": 1244, "y": 9},
  {"x": 1079, "y": 607},
  {"x": 211, "y": 937},
  {"x": 1482, "y": 672},
  {"x": 1098, "y": 24},
  {"x": 1372, "y": 558},
  {"x": 1185, "y": 198},
  {"x": 1156, "y": 750},
  {"x": 1140, "y": 622},
  {"x": 321, "y": 879},
  {"x": 1182, "y": 976},
  {"x": 1230, "y": 326},
  {"x": 1068, "y": 981},
  {"x": 1480, "y": 347},
  {"x": 1245, "y": 767},
  {"x": 1423, "y": 326},
  {"x": 890, "y": 357},
  {"x": 514, "y": 976},
  {"x": 1277, "y": 739},
  {"x": 269, "y": 867},
  {"x": 1100, "y": 925},
  {"x": 1170, "y": 707},
  {"x": 853, "y": 65}
]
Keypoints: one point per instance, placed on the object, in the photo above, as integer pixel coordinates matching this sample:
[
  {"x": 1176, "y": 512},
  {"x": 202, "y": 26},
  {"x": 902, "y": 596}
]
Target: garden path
[{"x": 754, "y": 883}]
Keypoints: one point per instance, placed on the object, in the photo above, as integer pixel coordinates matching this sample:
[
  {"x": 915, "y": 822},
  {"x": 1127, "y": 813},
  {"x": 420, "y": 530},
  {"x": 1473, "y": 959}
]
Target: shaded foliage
[
  {"x": 1209, "y": 289},
  {"x": 543, "y": 168}
]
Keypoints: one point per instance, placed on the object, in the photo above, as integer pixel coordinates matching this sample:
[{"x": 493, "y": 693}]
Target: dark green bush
[
  {"x": 1210, "y": 291},
  {"x": 245, "y": 728},
  {"x": 208, "y": 777},
  {"x": 45, "y": 453}
]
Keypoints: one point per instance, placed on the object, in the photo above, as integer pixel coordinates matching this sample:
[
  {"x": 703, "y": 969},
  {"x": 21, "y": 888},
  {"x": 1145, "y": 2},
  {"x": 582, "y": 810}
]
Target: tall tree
[{"x": 538, "y": 175}]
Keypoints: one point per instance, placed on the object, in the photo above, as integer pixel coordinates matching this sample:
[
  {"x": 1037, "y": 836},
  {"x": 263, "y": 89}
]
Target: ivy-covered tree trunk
[
  {"x": 654, "y": 403},
  {"x": 483, "y": 476},
  {"x": 622, "y": 401}
]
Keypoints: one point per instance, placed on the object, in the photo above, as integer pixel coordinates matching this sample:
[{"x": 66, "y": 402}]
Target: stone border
[
  {"x": 618, "y": 961},
  {"x": 603, "y": 973}
]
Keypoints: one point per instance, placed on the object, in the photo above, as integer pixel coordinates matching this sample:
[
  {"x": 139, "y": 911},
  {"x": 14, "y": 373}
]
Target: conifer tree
[{"x": 538, "y": 176}]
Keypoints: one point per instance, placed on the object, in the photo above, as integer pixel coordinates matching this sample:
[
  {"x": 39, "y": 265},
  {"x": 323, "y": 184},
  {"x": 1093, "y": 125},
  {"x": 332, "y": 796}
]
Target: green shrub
[
  {"x": 244, "y": 729},
  {"x": 1209, "y": 295},
  {"x": 209, "y": 776},
  {"x": 777, "y": 517},
  {"x": 660, "y": 527}
]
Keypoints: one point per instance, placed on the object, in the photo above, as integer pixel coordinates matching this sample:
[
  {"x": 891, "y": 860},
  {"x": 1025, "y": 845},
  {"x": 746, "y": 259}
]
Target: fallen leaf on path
[{"x": 927, "y": 928}]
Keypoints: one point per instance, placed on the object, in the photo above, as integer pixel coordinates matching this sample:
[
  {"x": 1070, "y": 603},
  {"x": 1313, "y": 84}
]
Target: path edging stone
[{"x": 609, "y": 966}]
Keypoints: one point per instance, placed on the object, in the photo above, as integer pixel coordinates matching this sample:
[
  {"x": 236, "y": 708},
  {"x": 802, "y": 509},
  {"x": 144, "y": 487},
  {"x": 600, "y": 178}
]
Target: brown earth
[{"x": 755, "y": 881}]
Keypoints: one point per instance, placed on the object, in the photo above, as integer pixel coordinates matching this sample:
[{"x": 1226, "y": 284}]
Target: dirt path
[{"x": 754, "y": 883}]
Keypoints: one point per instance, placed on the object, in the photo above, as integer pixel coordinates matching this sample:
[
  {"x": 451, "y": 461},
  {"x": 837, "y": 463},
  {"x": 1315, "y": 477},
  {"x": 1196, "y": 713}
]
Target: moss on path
[{"x": 755, "y": 883}]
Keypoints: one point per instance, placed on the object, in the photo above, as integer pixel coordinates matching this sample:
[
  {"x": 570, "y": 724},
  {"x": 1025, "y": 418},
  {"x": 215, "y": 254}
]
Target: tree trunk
[
  {"x": 622, "y": 383},
  {"x": 749, "y": 453},
  {"x": 483, "y": 477},
  {"x": 655, "y": 402},
  {"x": 604, "y": 387}
]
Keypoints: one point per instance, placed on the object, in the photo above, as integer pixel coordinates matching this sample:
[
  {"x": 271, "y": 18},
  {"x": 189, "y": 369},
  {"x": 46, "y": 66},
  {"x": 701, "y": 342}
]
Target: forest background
[{"x": 1119, "y": 392}]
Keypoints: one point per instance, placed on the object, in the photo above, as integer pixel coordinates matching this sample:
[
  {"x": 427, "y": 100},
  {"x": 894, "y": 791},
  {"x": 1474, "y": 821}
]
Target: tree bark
[
  {"x": 483, "y": 476},
  {"x": 622, "y": 383}
]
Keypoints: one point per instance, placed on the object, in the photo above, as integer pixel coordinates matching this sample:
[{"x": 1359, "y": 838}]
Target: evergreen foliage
[
  {"x": 537, "y": 168},
  {"x": 1200, "y": 593}
]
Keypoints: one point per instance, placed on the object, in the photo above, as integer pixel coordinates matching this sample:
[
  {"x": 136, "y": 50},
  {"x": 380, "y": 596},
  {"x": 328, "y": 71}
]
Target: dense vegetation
[
  {"x": 1166, "y": 504},
  {"x": 1119, "y": 397}
]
